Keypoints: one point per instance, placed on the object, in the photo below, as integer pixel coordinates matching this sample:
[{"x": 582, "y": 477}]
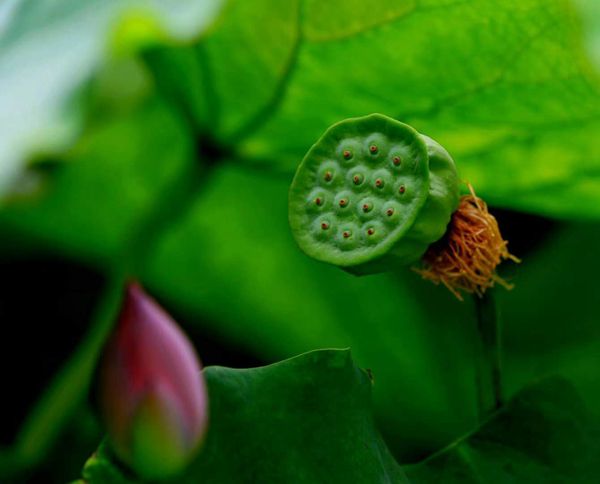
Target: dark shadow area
[
  {"x": 45, "y": 307},
  {"x": 524, "y": 232}
]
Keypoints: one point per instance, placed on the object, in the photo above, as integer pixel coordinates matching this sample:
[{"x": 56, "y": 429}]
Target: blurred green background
[{"x": 157, "y": 140}]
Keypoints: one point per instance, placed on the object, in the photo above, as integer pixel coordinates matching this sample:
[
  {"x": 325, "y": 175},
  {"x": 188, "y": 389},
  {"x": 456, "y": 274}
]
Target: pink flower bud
[{"x": 152, "y": 393}]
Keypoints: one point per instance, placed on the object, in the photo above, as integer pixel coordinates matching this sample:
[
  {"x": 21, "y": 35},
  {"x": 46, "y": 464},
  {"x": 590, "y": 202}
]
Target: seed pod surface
[{"x": 370, "y": 193}]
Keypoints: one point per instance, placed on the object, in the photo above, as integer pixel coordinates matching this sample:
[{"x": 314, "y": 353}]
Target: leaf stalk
[{"x": 489, "y": 367}]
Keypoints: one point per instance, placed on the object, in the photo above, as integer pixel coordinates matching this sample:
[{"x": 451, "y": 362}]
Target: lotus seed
[
  {"x": 347, "y": 154},
  {"x": 389, "y": 212},
  {"x": 318, "y": 201},
  {"x": 357, "y": 179},
  {"x": 367, "y": 207},
  {"x": 379, "y": 183},
  {"x": 346, "y": 234},
  {"x": 324, "y": 225},
  {"x": 397, "y": 161},
  {"x": 370, "y": 231},
  {"x": 328, "y": 176},
  {"x": 343, "y": 202},
  {"x": 373, "y": 149},
  {"x": 402, "y": 189}
]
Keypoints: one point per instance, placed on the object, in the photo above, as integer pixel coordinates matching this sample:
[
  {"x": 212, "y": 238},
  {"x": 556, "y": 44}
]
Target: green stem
[{"x": 489, "y": 370}]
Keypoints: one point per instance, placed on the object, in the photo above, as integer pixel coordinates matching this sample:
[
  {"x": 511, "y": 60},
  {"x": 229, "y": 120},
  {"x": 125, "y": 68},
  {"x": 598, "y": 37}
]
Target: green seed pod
[{"x": 372, "y": 193}]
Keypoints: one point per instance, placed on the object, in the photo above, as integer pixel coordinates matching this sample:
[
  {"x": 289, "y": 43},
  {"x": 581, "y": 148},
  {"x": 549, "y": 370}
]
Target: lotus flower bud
[{"x": 152, "y": 393}]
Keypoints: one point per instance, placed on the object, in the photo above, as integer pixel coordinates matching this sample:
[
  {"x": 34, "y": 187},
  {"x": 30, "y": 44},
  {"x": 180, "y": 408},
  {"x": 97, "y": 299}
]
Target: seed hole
[
  {"x": 397, "y": 161},
  {"x": 357, "y": 179},
  {"x": 389, "y": 212},
  {"x": 328, "y": 176},
  {"x": 318, "y": 201},
  {"x": 324, "y": 225},
  {"x": 346, "y": 234},
  {"x": 367, "y": 207},
  {"x": 343, "y": 202},
  {"x": 402, "y": 189},
  {"x": 370, "y": 231},
  {"x": 347, "y": 154},
  {"x": 373, "y": 149},
  {"x": 379, "y": 183}
]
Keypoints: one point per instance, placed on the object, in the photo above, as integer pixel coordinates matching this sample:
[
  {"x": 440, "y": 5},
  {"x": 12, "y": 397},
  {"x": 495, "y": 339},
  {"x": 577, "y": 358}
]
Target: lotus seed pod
[
  {"x": 153, "y": 395},
  {"x": 371, "y": 194}
]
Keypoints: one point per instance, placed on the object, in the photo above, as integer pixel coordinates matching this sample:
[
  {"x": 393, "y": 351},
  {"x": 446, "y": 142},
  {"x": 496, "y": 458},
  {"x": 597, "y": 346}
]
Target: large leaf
[
  {"x": 303, "y": 420},
  {"x": 542, "y": 435},
  {"x": 506, "y": 87},
  {"x": 48, "y": 49}
]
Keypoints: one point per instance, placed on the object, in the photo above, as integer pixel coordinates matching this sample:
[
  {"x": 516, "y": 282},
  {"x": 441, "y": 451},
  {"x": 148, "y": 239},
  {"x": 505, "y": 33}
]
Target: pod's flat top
[{"x": 358, "y": 190}]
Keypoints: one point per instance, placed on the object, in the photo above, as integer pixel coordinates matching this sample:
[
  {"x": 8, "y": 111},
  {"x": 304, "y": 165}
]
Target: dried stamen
[{"x": 466, "y": 257}]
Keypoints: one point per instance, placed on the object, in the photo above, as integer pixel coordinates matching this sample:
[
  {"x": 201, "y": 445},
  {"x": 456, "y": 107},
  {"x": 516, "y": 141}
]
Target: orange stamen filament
[{"x": 467, "y": 257}]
